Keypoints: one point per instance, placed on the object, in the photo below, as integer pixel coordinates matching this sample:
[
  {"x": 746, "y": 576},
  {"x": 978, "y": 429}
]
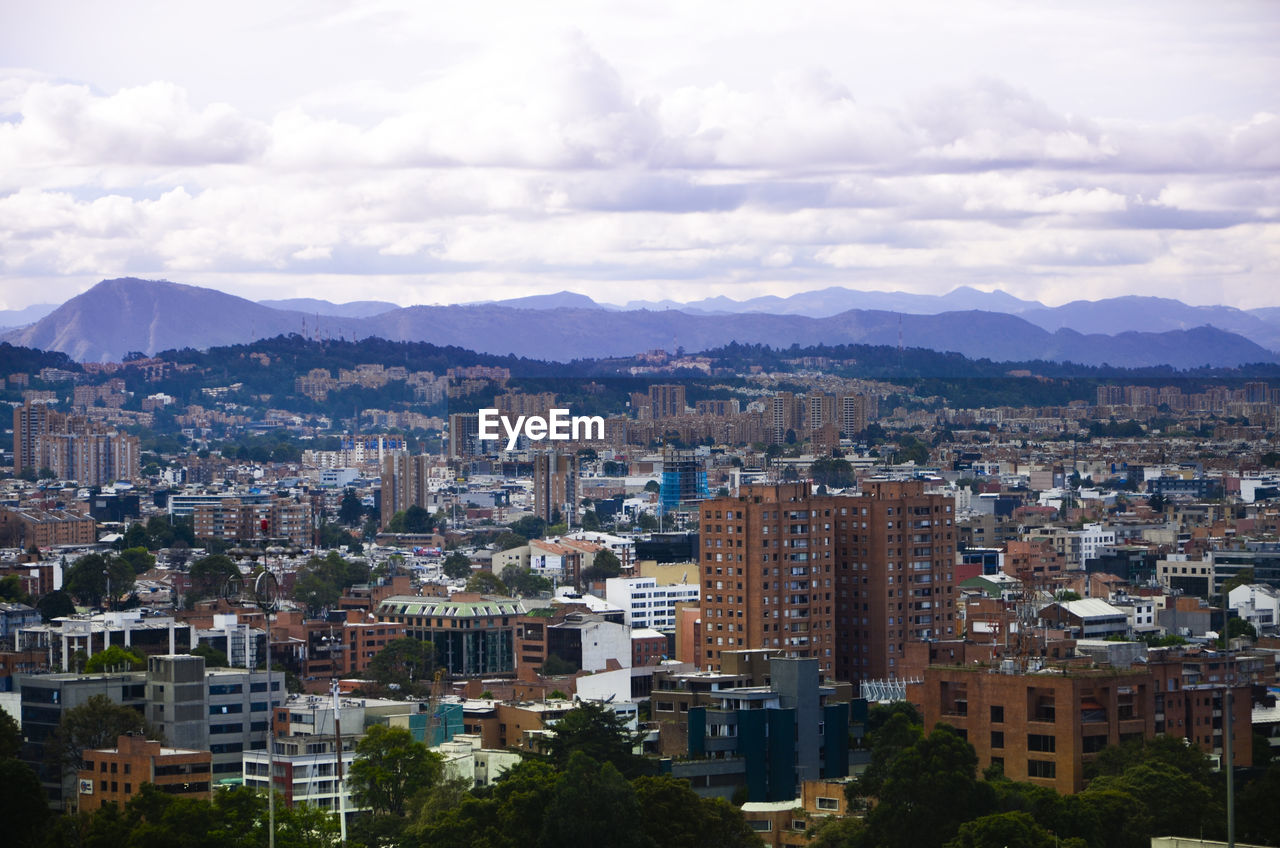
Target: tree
[
  {"x": 208, "y": 576},
  {"x": 417, "y": 520},
  {"x": 55, "y": 605},
  {"x": 832, "y": 472},
  {"x": 1176, "y": 801},
  {"x": 350, "y": 511},
  {"x": 486, "y": 583},
  {"x": 456, "y": 566},
  {"x": 97, "y": 723},
  {"x": 11, "y": 590},
  {"x": 604, "y": 565},
  {"x": 584, "y": 789},
  {"x": 530, "y": 527},
  {"x": 523, "y": 582},
  {"x": 676, "y": 817},
  {"x": 138, "y": 559},
  {"x": 507, "y": 540},
  {"x": 322, "y": 580},
  {"x": 87, "y": 578},
  {"x": 599, "y": 732},
  {"x": 590, "y": 521},
  {"x": 404, "y": 665},
  {"x": 114, "y": 658},
  {"x": 930, "y": 789},
  {"x": 389, "y": 768},
  {"x": 1002, "y": 830},
  {"x": 10, "y": 736},
  {"x": 653, "y": 486},
  {"x": 213, "y": 658},
  {"x": 1238, "y": 627},
  {"x": 646, "y": 521},
  {"x": 24, "y": 806}
]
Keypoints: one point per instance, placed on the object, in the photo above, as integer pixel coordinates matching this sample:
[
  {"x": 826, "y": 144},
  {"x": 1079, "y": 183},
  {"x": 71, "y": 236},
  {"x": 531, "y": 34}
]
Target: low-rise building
[{"x": 114, "y": 775}]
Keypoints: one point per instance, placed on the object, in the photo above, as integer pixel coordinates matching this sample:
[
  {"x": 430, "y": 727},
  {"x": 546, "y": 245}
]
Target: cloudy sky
[{"x": 430, "y": 153}]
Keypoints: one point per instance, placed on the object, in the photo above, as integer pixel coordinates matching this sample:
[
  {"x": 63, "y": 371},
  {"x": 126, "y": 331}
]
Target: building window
[
  {"x": 997, "y": 739},
  {"x": 1042, "y": 768},
  {"x": 997, "y": 715},
  {"x": 829, "y": 804},
  {"x": 1042, "y": 742}
]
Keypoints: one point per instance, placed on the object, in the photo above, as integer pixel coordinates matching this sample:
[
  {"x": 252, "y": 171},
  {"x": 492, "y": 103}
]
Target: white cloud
[{"x": 419, "y": 145}]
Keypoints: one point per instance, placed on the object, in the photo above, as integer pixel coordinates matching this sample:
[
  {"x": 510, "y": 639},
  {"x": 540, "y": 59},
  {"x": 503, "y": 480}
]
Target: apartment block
[
  {"x": 114, "y": 775},
  {"x": 846, "y": 579}
]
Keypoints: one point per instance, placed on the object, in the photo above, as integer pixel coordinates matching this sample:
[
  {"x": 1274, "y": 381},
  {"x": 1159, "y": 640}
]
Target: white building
[
  {"x": 646, "y": 603},
  {"x": 624, "y": 549},
  {"x": 1094, "y": 537},
  {"x": 1257, "y": 604}
]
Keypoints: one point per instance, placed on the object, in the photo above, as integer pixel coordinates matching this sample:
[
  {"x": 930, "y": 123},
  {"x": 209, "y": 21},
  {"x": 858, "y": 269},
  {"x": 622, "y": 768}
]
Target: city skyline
[{"x": 390, "y": 152}]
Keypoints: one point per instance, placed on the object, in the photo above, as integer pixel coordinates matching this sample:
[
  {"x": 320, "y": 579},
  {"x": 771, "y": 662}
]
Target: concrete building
[
  {"x": 114, "y": 775},
  {"x": 648, "y": 604},
  {"x": 474, "y": 635},
  {"x": 769, "y": 737},
  {"x": 1257, "y": 604}
]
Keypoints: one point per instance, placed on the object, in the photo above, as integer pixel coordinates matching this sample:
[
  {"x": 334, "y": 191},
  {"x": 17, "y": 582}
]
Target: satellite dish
[{"x": 266, "y": 592}]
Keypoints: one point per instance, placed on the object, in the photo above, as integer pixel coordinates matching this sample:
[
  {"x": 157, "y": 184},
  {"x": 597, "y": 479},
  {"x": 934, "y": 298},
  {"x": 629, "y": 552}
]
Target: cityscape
[{"x": 717, "y": 425}]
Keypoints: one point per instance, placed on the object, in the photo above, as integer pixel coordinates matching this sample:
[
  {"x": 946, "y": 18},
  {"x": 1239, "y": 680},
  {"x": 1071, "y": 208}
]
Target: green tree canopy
[
  {"x": 114, "y": 658},
  {"x": 486, "y": 583},
  {"x": 389, "y": 768},
  {"x": 599, "y": 732},
  {"x": 24, "y": 806},
  {"x": 11, "y": 590},
  {"x": 929, "y": 790},
  {"x": 208, "y": 576},
  {"x": 87, "y": 578},
  {"x": 456, "y": 566},
  {"x": 507, "y": 540},
  {"x": 55, "y": 605},
  {"x": 322, "y": 580},
  {"x": 404, "y": 665},
  {"x": 604, "y": 565},
  {"x": 523, "y": 582},
  {"x": 350, "y": 511},
  {"x": 1003, "y": 830},
  {"x": 138, "y": 558},
  {"x": 530, "y": 527},
  {"x": 97, "y": 723},
  {"x": 10, "y": 736}
]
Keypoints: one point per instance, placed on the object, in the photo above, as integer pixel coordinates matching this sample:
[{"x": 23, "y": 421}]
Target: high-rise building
[
  {"x": 847, "y": 579},
  {"x": 666, "y": 401},
  {"x": 464, "y": 435},
  {"x": 853, "y": 414},
  {"x": 72, "y": 447},
  {"x": 404, "y": 482},
  {"x": 555, "y": 487},
  {"x": 30, "y": 424},
  {"x": 684, "y": 479}
]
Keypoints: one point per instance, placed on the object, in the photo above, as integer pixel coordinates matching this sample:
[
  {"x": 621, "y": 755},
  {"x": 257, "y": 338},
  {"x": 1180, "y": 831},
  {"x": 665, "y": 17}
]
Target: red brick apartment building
[
  {"x": 1044, "y": 726},
  {"x": 847, "y": 579},
  {"x": 114, "y": 775}
]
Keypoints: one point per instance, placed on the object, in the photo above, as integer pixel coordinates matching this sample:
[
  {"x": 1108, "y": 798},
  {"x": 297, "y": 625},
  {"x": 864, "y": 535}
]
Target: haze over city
[{"x": 416, "y": 154}]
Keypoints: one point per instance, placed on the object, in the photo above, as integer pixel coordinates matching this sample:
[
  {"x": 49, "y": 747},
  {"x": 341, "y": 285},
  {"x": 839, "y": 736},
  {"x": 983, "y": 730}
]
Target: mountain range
[{"x": 120, "y": 316}]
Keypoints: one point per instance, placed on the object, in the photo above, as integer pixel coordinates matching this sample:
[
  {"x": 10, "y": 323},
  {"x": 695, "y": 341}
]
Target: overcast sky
[{"x": 430, "y": 152}]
